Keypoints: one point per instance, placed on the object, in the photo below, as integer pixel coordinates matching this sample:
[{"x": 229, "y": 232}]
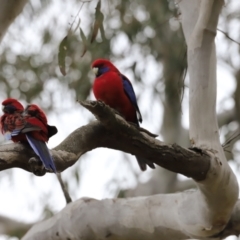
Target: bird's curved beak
[{"x": 95, "y": 70}]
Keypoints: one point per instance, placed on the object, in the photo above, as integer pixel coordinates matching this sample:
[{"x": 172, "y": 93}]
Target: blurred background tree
[{"x": 144, "y": 39}]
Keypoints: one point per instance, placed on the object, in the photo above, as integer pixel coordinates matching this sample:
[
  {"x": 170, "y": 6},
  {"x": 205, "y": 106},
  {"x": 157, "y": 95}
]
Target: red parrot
[
  {"x": 32, "y": 110},
  {"x": 28, "y": 126},
  {"x": 12, "y": 119},
  {"x": 114, "y": 89}
]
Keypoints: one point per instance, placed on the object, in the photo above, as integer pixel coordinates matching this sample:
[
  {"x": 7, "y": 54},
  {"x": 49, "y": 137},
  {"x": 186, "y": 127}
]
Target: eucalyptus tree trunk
[{"x": 200, "y": 213}]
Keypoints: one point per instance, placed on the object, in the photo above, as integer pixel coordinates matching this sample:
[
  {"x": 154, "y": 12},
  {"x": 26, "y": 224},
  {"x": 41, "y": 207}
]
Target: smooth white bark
[
  {"x": 200, "y": 34},
  {"x": 155, "y": 217},
  {"x": 192, "y": 214},
  {"x": 220, "y": 189}
]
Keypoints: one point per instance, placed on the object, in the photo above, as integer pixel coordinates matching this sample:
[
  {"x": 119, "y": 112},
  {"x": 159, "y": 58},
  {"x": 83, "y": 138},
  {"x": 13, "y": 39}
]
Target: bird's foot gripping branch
[
  {"x": 37, "y": 167},
  {"x": 29, "y": 126}
]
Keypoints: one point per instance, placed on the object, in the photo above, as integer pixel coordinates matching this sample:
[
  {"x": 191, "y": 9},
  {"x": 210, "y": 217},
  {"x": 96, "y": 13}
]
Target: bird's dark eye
[
  {"x": 102, "y": 70},
  {"x": 9, "y": 109},
  {"x": 32, "y": 112}
]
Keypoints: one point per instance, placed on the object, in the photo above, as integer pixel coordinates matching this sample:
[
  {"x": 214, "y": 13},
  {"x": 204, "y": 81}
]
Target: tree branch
[
  {"x": 112, "y": 132},
  {"x": 9, "y": 10},
  {"x": 233, "y": 226},
  {"x": 199, "y": 213},
  {"x": 81, "y": 207},
  {"x": 199, "y": 22},
  {"x": 12, "y": 227},
  {"x": 152, "y": 217},
  {"x": 64, "y": 189}
]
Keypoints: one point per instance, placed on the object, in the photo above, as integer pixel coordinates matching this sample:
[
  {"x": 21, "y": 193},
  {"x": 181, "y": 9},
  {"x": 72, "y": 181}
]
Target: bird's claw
[{"x": 37, "y": 167}]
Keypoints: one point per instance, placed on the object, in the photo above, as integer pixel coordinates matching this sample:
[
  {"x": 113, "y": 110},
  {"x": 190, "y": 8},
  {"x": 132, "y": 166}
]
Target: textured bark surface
[
  {"x": 112, "y": 131},
  {"x": 80, "y": 219},
  {"x": 200, "y": 213},
  {"x": 15, "y": 228}
]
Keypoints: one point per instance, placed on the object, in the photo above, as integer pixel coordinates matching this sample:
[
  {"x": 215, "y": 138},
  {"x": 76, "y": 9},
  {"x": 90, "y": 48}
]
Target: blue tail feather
[{"x": 41, "y": 149}]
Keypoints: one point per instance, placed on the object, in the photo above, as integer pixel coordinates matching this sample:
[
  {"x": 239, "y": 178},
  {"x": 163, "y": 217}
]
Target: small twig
[
  {"x": 230, "y": 140},
  {"x": 64, "y": 189},
  {"x": 79, "y": 10},
  {"x": 228, "y": 36}
]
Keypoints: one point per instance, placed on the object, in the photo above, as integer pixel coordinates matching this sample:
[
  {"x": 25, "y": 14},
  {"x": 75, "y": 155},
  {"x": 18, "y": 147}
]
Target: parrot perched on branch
[
  {"x": 29, "y": 125},
  {"x": 32, "y": 110},
  {"x": 115, "y": 90}
]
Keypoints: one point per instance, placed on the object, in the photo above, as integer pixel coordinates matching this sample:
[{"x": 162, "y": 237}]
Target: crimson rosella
[
  {"x": 34, "y": 111},
  {"x": 114, "y": 89},
  {"x": 23, "y": 126},
  {"x": 12, "y": 119}
]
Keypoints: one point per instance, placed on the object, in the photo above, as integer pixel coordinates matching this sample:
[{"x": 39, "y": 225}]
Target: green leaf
[
  {"x": 85, "y": 42},
  {"x": 62, "y": 51},
  {"x": 98, "y": 21}
]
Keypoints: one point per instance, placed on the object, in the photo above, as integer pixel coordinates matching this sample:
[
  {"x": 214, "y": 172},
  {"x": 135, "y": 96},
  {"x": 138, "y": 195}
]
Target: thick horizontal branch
[
  {"x": 155, "y": 217},
  {"x": 12, "y": 227},
  {"x": 111, "y": 131},
  {"x": 233, "y": 226}
]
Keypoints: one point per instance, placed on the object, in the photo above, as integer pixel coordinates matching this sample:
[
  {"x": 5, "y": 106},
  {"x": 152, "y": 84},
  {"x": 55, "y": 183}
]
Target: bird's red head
[
  {"x": 32, "y": 110},
  {"x": 101, "y": 66},
  {"x": 12, "y": 105}
]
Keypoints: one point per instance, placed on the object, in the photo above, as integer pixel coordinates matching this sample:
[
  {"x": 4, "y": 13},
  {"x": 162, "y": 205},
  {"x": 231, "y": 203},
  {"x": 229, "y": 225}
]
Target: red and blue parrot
[
  {"x": 29, "y": 125},
  {"x": 115, "y": 89}
]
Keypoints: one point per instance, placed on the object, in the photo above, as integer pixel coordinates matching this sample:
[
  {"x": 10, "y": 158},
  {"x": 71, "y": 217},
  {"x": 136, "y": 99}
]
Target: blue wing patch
[
  {"x": 128, "y": 89},
  {"x": 41, "y": 149},
  {"x": 26, "y": 128}
]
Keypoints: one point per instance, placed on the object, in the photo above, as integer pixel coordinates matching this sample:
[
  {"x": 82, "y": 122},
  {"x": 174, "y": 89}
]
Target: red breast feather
[{"x": 109, "y": 88}]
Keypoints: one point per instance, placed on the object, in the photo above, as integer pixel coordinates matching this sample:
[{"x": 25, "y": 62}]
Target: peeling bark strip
[{"x": 112, "y": 132}]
